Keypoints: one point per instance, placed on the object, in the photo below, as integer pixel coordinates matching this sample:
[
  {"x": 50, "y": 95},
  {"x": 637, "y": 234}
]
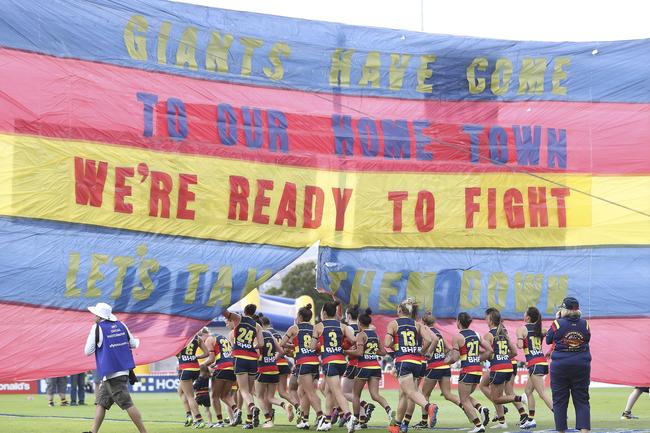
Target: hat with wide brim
[{"x": 104, "y": 311}]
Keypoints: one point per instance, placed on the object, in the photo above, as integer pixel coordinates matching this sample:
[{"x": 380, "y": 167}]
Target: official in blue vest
[
  {"x": 111, "y": 342},
  {"x": 570, "y": 365}
]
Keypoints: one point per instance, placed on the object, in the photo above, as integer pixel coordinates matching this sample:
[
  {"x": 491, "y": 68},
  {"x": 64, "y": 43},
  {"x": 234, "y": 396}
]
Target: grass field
[{"x": 163, "y": 414}]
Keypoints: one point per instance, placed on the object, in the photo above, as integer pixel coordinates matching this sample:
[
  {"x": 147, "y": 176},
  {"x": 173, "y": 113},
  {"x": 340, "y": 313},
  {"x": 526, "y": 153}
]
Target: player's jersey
[
  {"x": 283, "y": 359},
  {"x": 187, "y": 359},
  {"x": 406, "y": 341},
  {"x": 304, "y": 353},
  {"x": 245, "y": 336},
  {"x": 354, "y": 360},
  {"x": 331, "y": 341},
  {"x": 437, "y": 358},
  {"x": 266, "y": 363},
  {"x": 370, "y": 359},
  {"x": 470, "y": 360},
  {"x": 222, "y": 353},
  {"x": 500, "y": 360},
  {"x": 533, "y": 347}
]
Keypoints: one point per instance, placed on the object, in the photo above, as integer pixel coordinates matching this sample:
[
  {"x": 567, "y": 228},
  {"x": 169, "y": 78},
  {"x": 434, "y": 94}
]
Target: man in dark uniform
[{"x": 570, "y": 365}]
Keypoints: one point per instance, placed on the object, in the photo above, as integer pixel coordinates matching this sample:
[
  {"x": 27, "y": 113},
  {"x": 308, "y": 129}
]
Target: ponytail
[
  {"x": 536, "y": 319},
  {"x": 409, "y": 307},
  {"x": 365, "y": 319},
  {"x": 495, "y": 317}
]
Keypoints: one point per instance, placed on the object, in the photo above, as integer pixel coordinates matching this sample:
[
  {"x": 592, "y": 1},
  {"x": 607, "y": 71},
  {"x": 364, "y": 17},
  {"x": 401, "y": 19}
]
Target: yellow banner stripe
[{"x": 37, "y": 180}]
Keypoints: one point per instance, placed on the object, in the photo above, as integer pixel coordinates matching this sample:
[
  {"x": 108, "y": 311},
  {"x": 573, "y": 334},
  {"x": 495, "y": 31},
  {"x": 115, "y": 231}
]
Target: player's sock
[
  {"x": 477, "y": 422},
  {"x": 531, "y": 413}
]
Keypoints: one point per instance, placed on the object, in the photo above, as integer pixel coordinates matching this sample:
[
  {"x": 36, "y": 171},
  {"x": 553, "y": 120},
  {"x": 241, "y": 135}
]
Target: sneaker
[
  {"x": 236, "y": 418},
  {"x": 433, "y": 415},
  {"x": 290, "y": 414},
  {"x": 361, "y": 425},
  {"x": 247, "y": 426},
  {"x": 421, "y": 424},
  {"x": 344, "y": 420},
  {"x": 217, "y": 425},
  {"x": 65, "y": 403},
  {"x": 500, "y": 425},
  {"x": 325, "y": 426},
  {"x": 393, "y": 429},
  {"x": 199, "y": 424},
  {"x": 188, "y": 420},
  {"x": 82, "y": 403},
  {"x": 73, "y": 403},
  {"x": 477, "y": 429},
  {"x": 370, "y": 408},
  {"x": 319, "y": 420},
  {"x": 485, "y": 413},
  {"x": 628, "y": 415},
  {"x": 50, "y": 403},
  {"x": 256, "y": 416},
  {"x": 351, "y": 424},
  {"x": 303, "y": 425},
  {"x": 403, "y": 427},
  {"x": 530, "y": 423},
  {"x": 267, "y": 424}
]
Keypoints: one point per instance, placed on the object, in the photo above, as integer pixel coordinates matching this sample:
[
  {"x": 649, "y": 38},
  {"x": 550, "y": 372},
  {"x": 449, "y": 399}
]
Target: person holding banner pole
[{"x": 112, "y": 343}]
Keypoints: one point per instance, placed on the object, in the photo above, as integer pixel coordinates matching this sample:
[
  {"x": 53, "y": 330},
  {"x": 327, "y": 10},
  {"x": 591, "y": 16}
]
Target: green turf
[{"x": 163, "y": 413}]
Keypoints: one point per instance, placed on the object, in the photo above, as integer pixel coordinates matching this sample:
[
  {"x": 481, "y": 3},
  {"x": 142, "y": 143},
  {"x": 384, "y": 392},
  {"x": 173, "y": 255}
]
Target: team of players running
[{"x": 252, "y": 362}]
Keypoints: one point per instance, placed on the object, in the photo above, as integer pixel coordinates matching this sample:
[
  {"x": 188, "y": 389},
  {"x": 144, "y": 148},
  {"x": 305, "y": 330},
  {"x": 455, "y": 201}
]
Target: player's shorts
[
  {"x": 228, "y": 375},
  {"x": 438, "y": 373},
  {"x": 406, "y": 368},
  {"x": 203, "y": 400},
  {"x": 268, "y": 378},
  {"x": 643, "y": 389},
  {"x": 245, "y": 366},
  {"x": 423, "y": 370},
  {"x": 308, "y": 369},
  {"x": 284, "y": 369},
  {"x": 469, "y": 378},
  {"x": 189, "y": 375},
  {"x": 538, "y": 370},
  {"x": 500, "y": 377},
  {"x": 367, "y": 373},
  {"x": 334, "y": 369},
  {"x": 351, "y": 371}
]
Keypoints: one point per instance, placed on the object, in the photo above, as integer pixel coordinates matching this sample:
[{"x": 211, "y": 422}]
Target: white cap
[{"x": 104, "y": 311}]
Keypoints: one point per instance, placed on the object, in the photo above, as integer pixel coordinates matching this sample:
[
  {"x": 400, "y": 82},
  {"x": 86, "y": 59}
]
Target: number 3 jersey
[{"x": 331, "y": 340}]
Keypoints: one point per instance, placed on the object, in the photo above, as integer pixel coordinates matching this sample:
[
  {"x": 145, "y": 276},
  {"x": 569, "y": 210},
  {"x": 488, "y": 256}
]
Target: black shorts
[
  {"x": 500, "y": 377},
  {"x": 203, "y": 400},
  {"x": 334, "y": 369},
  {"x": 538, "y": 370},
  {"x": 438, "y": 373},
  {"x": 643, "y": 389},
  {"x": 405, "y": 368},
  {"x": 228, "y": 375},
  {"x": 308, "y": 369},
  {"x": 245, "y": 366},
  {"x": 189, "y": 375},
  {"x": 268, "y": 378},
  {"x": 351, "y": 371},
  {"x": 469, "y": 378},
  {"x": 367, "y": 373},
  {"x": 284, "y": 369}
]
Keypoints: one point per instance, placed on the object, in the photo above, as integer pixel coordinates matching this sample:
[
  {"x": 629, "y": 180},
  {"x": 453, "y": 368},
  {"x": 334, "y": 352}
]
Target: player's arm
[
  {"x": 522, "y": 333},
  {"x": 390, "y": 333},
  {"x": 429, "y": 339},
  {"x": 348, "y": 332},
  {"x": 381, "y": 349},
  {"x": 485, "y": 343},
  {"x": 260, "y": 336},
  {"x": 360, "y": 341},
  {"x": 454, "y": 353},
  {"x": 288, "y": 337},
  {"x": 318, "y": 331},
  {"x": 233, "y": 317},
  {"x": 279, "y": 351},
  {"x": 209, "y": 346}
]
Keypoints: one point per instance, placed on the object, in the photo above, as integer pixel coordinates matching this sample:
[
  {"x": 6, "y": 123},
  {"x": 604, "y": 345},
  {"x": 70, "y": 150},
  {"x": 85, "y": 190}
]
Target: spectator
[
  {"x": 570, "y": 365},
  {"x": 57, "y": 385},
  {"x": 77, "y": 382},
  {"x": 114, "y": 362}
]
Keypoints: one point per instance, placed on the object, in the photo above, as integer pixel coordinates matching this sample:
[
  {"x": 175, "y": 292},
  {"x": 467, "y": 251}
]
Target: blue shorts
[
  {"x": 500, "y": 377},
  {"x": 333, "y": 369},
  {"x": 284, "y": 369},
  {"x": 538, "y": 370},
  {"x": 189, "y": 375},
  {"x": 469, "y": 378},
  {"x": 423, "y": 370},
  {"x": 228, "y": 375},
  {"x": 308, "y": 369},
  {"x": 245, "y": 366},
  {"x": 268, "y": 378},
  {"x": 367, "y": 373},
  {"x": 438, "y": 373},
  {"x": 643, "y": 389},
  {"x": 351, "y": 371},
  {"x": 405, "y": 368}
]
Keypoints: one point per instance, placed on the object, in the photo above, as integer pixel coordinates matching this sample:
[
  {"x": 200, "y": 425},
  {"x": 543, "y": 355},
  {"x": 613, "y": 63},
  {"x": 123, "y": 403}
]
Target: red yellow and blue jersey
[
  {"x": 406, "y": 341},
  {"x": 369, "y": 358},
  {"x": 245, "y": 336},
  {"x": 266, "y": 363},
  {"x": 304, "y": 353},
  {"x": 187, "y": 359},
  {"x": 437, "y": 359},
  {"x": 283, "y": 359},
  {"x": 470, "y": 359},
  {"x": 353, "y": 360},
  {"x": 331, "y": 343},
  {"x": 533, "y": 347},
  {"x": 500, "y": 360},
  {"x": 222, "y": 353}
]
